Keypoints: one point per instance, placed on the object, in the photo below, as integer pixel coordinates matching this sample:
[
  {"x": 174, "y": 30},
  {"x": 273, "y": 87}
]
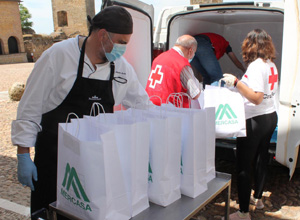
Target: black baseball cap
[{"x": 114, "y": 19}]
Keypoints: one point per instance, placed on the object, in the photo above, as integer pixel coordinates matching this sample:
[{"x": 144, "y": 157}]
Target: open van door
[
  {"x": 233, "y": 21},
  {"x": 139, "y": 48},
  {"x": 288, "y": 138}
]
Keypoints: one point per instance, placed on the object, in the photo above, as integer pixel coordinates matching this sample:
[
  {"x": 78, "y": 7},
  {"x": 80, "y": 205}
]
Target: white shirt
[
  {"x": 261, "y": 77},
  {"x": 53, "y": 77},
  {"x": 188, "y": 79}
]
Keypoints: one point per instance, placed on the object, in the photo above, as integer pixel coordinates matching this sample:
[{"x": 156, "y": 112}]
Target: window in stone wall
[
  {"x": 1, "y": 48},
  {"x": 62, "y": 18},
  {"x": 13, "y": 45}
]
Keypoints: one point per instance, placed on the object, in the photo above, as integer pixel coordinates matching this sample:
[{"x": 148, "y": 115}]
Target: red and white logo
[
  {"x": 156, "y": 76},
  {"x": 273, "y": 78}
]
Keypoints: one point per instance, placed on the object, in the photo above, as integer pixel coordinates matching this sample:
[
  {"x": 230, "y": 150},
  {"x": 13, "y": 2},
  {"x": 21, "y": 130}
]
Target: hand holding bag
[{"x": 230, "y": 111}]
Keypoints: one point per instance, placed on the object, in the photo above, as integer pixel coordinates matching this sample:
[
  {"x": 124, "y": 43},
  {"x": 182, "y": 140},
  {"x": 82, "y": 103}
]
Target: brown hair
[{"x": 258, "y": 44}]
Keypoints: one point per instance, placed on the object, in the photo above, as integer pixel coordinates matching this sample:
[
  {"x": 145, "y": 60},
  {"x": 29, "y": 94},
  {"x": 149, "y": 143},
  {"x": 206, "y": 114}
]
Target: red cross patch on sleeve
[{"x": 273, "y": 78}]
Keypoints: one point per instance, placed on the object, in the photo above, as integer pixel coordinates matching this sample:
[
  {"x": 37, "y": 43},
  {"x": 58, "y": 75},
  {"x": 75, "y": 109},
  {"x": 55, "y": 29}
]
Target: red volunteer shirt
[
  {"x": 219, "y": 43},
  {"x": 164, "y": 78}
]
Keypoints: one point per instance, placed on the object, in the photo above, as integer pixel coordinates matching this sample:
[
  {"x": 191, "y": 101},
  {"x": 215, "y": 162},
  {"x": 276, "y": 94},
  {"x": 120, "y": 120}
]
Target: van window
[{"x": 62, "y": 18}]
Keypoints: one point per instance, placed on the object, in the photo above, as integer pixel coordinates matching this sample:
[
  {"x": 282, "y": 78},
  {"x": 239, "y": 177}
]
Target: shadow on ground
[{"x": 281, "y": 195}]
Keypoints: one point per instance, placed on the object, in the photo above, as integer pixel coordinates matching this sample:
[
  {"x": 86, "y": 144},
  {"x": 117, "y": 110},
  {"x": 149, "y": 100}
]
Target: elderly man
[{"x": 171, "y": 73}]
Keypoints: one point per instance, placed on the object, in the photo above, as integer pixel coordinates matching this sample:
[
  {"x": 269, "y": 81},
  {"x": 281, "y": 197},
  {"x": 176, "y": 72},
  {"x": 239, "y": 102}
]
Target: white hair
[{"x": 186, "y": 41}]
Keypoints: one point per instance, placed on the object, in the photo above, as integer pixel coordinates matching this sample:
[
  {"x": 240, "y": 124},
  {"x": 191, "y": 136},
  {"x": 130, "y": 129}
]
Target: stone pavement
[
  {"x": 281, "y": 195},
  {"x": 14, "y": 198}
]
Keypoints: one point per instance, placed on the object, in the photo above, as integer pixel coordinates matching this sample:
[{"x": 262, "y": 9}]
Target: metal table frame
[{"x": 184, "y": 208}]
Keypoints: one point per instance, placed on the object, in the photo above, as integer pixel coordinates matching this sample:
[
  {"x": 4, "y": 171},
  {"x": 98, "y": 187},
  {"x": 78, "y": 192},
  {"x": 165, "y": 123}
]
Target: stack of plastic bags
[{"x": 111, "y": 165}]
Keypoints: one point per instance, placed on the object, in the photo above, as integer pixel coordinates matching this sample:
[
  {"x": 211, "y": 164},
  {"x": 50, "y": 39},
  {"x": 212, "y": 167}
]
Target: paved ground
[
  {"x": 10, "y": 189},
  {"x": 282, "y": 196}
]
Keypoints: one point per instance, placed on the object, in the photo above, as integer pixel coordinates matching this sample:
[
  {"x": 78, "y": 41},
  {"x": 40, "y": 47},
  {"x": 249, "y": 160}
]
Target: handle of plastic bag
[
  {"x": 136, "y": 101},
  {"x": 155, "y": 96},
  {"x": 189, "y": 97},
  {"x": 160, "y": 109},
  {"x": 98, "y": 105},
  {"x": 177, "y": 97},
  {"x": 124, "y": 102},
  {"x": 77, "y": 128},
  {"x": 220, "y": 82}
]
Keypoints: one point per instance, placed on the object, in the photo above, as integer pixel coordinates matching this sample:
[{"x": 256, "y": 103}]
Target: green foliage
[{"x": 25, "y": 16}]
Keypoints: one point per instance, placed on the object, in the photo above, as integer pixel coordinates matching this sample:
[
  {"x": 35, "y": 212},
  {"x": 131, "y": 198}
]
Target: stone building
[
  {"x": 70, "y": 16},
  {"x": 69, "y": 19},
  {"x": 36, "y": 44},
  {"x": 11, "y": 40}
]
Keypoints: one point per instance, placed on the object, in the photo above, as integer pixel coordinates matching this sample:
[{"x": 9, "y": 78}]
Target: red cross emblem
[
  {"x": 273, "y": 78},
  {"x": 156, "y": 76}
]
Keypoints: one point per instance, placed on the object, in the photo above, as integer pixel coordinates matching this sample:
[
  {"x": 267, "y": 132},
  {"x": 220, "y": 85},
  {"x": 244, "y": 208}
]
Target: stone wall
[
  {"x": 36, "y": 44},
  {"x": 70, "y": 16},
  {"x": 13, "y": 58}
]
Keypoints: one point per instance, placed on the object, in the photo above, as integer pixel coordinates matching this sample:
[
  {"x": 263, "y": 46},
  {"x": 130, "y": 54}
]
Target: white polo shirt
[{"x": 261, "y": 77}]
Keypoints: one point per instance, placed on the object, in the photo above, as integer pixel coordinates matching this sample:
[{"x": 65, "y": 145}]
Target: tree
[{"x": 25, "y": 16}]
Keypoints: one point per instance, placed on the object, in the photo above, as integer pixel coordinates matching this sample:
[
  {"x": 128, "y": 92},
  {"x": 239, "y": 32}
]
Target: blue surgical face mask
[
  {"x": 117, "y": 51},
  {"x": 190, "y": 60}
]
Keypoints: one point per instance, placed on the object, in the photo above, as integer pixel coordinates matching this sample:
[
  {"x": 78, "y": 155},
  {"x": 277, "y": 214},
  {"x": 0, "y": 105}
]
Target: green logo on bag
[
  {"x": 225, "y": 110},
  {"x": 71, "y": 179},
  {"x": 149, "y": 173},
  {"x": 181, "y": 165}
]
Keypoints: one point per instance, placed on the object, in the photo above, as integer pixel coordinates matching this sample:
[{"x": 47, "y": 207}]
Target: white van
[{"x": 233, "y": 21}]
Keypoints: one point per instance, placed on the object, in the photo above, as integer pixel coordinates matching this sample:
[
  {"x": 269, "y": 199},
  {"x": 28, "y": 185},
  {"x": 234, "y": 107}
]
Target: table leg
[{"x": 227, "y": 202}]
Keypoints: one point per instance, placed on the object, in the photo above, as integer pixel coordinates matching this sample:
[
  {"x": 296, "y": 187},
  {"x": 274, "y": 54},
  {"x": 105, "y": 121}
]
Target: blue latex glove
[{"x": 26, "y": 170}]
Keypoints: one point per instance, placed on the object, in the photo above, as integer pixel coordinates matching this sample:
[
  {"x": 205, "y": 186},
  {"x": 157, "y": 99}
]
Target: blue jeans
[{"x": 206, "y": 63}]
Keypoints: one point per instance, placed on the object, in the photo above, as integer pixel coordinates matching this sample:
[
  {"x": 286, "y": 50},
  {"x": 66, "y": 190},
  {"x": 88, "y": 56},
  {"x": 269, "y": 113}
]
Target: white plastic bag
[
  {"x": 90, "y": 183},
  {"x": 132, "y": 138},
  {"x": 193, "y": 149},
  {"x": 164, "y": 159},
  {"x": 230, "y": 112}
]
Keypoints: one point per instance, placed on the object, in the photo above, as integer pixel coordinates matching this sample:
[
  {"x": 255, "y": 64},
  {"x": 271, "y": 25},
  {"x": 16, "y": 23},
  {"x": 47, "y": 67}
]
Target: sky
[{"x": 41, "y": 11}]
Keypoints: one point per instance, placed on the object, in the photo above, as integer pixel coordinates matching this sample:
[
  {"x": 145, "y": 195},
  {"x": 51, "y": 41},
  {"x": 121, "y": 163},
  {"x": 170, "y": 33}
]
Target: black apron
[{"x": 83, "y": 94}]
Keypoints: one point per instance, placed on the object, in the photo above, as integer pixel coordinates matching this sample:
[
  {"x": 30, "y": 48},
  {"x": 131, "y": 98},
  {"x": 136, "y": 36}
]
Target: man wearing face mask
[
  {"x": 69, "y": 77},
  {"x": 171, "y": 73}
]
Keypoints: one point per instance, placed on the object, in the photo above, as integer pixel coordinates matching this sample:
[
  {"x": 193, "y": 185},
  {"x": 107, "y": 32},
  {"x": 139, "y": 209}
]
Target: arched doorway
[
  {"x": 13, "y": 45},
  {"x": 1, "y": 48}
]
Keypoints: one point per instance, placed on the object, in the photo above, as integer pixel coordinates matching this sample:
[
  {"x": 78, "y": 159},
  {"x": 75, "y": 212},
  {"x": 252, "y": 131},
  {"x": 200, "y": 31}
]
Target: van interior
[{"x": 233, "y": 24}]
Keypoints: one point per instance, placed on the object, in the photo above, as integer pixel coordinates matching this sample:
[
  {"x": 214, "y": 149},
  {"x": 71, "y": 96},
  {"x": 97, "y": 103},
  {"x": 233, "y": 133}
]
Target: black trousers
[{"x": 253, "y": 156}]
